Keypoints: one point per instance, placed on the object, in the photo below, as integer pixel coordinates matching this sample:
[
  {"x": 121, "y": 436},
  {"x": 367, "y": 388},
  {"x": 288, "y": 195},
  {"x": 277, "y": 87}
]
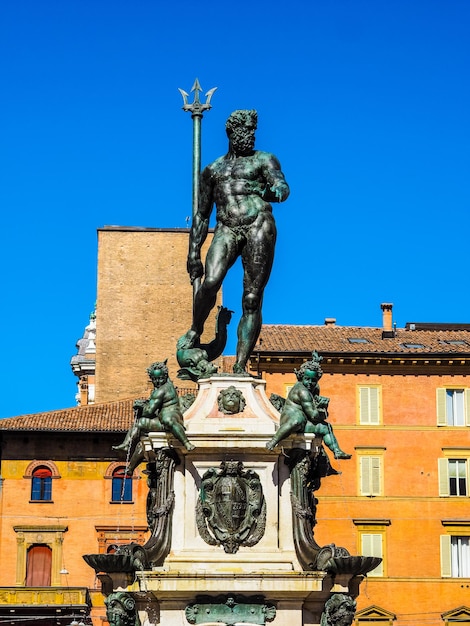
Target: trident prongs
[{"x": 197, "y": 107}]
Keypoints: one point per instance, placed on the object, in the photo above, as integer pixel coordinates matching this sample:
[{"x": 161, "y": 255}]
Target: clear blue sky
[{"x": 365, "y": 102}]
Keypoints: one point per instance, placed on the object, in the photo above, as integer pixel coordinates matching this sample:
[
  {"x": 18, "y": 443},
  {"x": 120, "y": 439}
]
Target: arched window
[
  {"x": 121, "y": 486},
  {"x": 38, "y": 566},
  {"x": 41, "y": 484}
]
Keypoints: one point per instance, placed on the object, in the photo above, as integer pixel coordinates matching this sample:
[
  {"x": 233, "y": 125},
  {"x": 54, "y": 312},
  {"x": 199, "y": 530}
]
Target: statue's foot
[
  {"x": 188, "y": 340},
  {"x": 271, "y": 445},
  {"x": 189, "y": 446},
  {"x": 339, "y": 454},
  {"x": 238, "y": 368},
  {"x": 121, "y": 446}
]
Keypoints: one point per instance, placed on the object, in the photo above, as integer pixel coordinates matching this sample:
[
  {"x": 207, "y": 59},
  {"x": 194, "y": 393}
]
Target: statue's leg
[
  {"x": 290, "y": 424},
  {"x": 180, "y": 434},
  {"x": 132, "y": 434},
  {"x": 220, "y": 257},
  {"x": 326, "y": 431},
  {"x": 257, "y": 259},
  {"x": 172, "y": 424}
]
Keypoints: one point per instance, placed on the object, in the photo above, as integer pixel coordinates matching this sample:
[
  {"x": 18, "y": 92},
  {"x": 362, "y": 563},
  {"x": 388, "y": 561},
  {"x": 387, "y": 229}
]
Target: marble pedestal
[{"x": 269, "y": 568}]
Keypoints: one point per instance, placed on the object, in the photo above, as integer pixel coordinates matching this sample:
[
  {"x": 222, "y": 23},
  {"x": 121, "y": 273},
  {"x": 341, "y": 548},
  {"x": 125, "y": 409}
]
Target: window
[
  {"x": 457, "y": 477},
  {"x": 413, "y": 346},
  {"x": 453, "y": 477},
  {"x": 121, "y": 486},
  {"x": 38, "y": 566},
  {"x": 39, "y": 555},
  {"x": 357, "y": 340},
  {"x": 287, "y": 388},
  {"x": 372, "y": 545},
  {"x": 453, "y": 407},
  {"x": 453, "y": 342},
  {"x": 41, "y": 474},
  {"x": 370, "y": 475},
  {"x": 371, "y": 541},
  {"x": 41, "y": 484},
  {"x": 375, "y": 616},
  {"x": 457, "y": 617},
  {"x": 455, "y": 556},
  {"x": 369, "y": 405}
]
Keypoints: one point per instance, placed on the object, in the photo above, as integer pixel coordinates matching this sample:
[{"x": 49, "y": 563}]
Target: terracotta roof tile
[
  {"x": 109, "y": 417},
  {"x": 276, "y": 338}
]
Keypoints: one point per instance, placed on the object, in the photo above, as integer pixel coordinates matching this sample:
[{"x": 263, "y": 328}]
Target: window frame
[
  {"x": 367, "y": 397},
  {"x": 448, "y": 565},
  {"x": 41, "y": 486},
  {"x": 442, "y": 406},
  {"x": 27, "y": 536},
  {"x": 370, "y": 471},
  {"x": 125, "y": 489},
  {"x": 377, "y": 529},
  {"x": 376, "y": 540},
  {"x": 370, "y": 475},
  {"x": 33, "y": 467},
  {"x": 444, "y": 474}
]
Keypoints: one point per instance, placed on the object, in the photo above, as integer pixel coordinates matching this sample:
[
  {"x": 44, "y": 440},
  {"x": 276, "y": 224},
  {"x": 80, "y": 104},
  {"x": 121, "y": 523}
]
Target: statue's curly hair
[
  {"x": 123, "y": 604},
  {"x": 241, "y": 118},
  {"x": 228, "y": 391},
  {"x": 158, "y": 365},
  {"x": 313, "y": 366},
  {"x": 339, "y": 606}
]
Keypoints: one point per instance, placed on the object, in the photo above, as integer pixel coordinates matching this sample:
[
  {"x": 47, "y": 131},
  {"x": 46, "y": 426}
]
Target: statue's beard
[{"x": 242, "y": 141}]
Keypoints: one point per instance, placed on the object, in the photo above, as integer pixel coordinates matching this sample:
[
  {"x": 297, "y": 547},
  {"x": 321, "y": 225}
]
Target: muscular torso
[{"x": 236, "y": 188}]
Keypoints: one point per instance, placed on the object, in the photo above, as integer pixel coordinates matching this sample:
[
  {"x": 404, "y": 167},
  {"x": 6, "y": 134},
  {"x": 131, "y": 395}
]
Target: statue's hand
[
  {"x": 195, "y": 268},
  {"x": 139, "y": 406},
  {"x": 278, "y": 190}
]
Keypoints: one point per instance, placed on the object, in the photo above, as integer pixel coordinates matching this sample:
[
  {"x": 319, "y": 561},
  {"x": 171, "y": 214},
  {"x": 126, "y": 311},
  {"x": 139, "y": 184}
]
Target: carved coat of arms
[{"x": 231, "y": 510}]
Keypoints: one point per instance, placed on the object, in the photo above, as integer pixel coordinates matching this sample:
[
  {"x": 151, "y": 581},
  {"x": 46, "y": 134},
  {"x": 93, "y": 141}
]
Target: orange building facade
[
  {"x": 400, "y": 404},
  {"x": 63, "y": 495}
]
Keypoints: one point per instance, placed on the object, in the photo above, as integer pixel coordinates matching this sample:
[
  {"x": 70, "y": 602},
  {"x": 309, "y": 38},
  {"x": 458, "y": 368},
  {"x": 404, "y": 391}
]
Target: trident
[{"x": 197, "y": 108}]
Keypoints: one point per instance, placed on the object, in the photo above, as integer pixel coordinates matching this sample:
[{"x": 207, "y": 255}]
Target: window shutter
[
  {"x": 467, "y": 407},
  {"x": 364, "y": 405},
  {"x": 365, "y": 475},
  {"x": 441, "y": 406},
  {"x": 374, "y": 405},
  {"x": 375, "y": 472},
  {"x": 446, "y": 562},
  {"x": 366, "y": 545},
  {"x": 443, "y": 470},
  {"x": 377, "y": 550},
  {"x": 369, "y": 412},
  {"x": 372, "y": 546}
]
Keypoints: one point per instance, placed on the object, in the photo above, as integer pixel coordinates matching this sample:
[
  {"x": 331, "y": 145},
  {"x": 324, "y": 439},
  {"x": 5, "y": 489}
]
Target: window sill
[
  {"x": 121, "y": 502},
  {"x": 41, "y": 501}
]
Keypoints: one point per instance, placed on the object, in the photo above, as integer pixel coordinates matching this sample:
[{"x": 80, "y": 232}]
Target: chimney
[
  {"x": 330, "y": 321},
  {"x": 387, "y": 328}
]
